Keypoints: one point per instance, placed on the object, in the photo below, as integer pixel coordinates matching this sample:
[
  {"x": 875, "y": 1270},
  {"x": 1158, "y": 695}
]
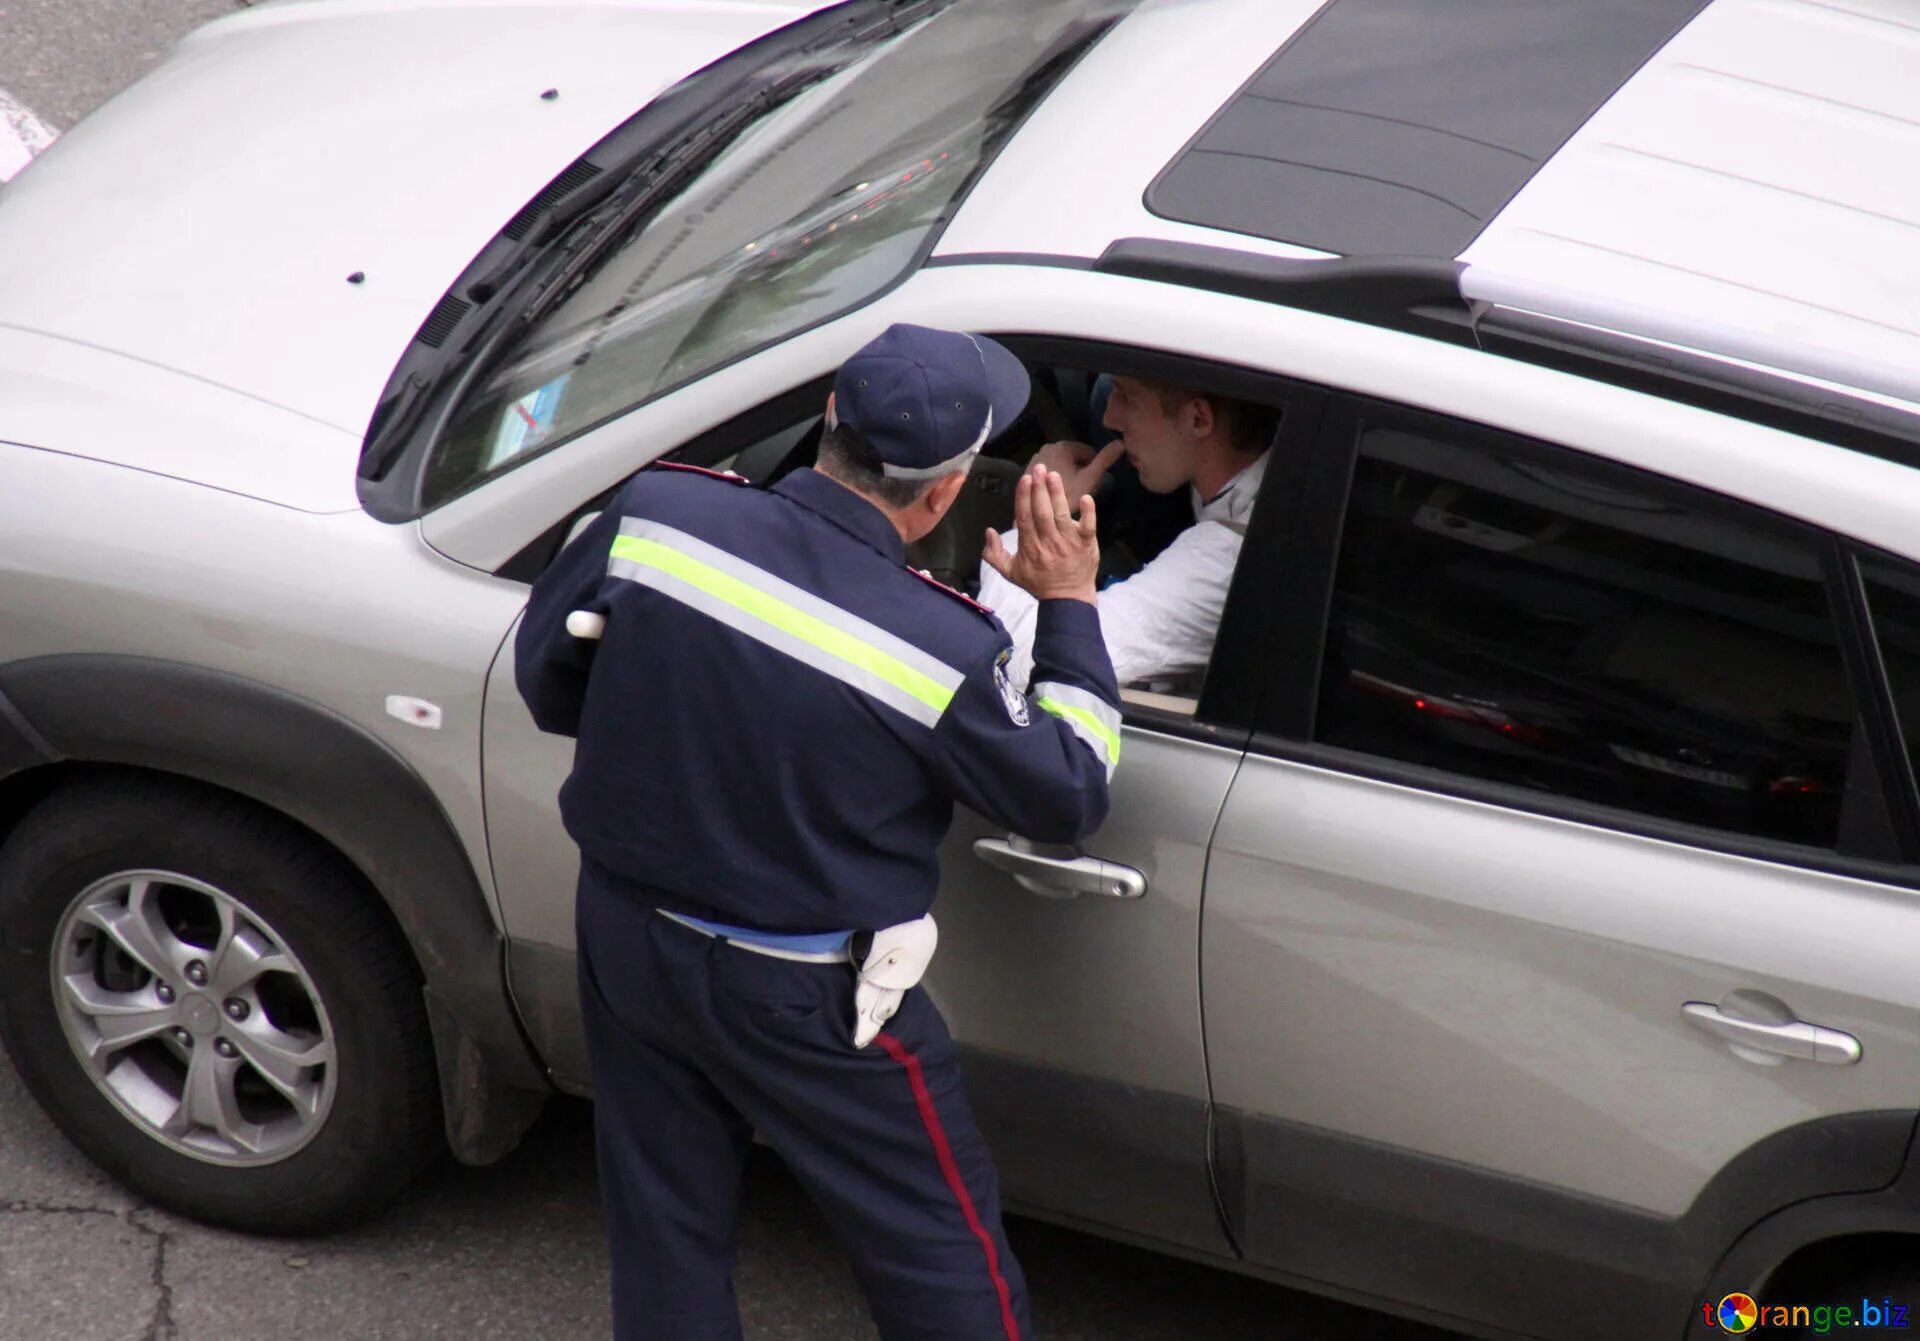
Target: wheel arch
[
  {"x": 66, "y": 717},
  {"x": 1795, "y": 1248}
]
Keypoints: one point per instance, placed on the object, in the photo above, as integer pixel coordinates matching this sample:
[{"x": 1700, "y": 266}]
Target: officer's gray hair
[{"x": 848, "y": 459}]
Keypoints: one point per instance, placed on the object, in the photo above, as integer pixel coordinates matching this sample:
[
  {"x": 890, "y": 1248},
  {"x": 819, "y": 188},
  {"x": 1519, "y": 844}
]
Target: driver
[{"x": 1161, "y": 621}]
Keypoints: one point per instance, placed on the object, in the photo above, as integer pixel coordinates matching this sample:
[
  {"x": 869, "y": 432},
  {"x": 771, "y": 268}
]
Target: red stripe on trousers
[{"x": 944, "y": 1153}]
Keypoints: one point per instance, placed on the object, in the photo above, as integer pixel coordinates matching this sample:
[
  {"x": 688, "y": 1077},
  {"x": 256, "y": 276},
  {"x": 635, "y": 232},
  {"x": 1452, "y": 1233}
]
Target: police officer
[{"x": 773, "y": 725}]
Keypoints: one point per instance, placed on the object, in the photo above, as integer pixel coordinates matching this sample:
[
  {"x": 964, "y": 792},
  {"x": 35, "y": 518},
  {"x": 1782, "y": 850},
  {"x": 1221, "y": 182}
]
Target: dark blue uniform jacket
[{"x": 775, "y": 725}]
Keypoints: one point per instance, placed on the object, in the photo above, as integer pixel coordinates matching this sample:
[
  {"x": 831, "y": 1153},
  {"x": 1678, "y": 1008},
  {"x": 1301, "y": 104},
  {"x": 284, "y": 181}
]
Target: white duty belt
[{"x": 895, "y": 960}]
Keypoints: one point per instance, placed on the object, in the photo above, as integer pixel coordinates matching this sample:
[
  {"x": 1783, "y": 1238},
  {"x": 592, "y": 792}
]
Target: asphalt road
[
  {"x": 63, "y": 58},
  {"x": 515, "y": 1250}
]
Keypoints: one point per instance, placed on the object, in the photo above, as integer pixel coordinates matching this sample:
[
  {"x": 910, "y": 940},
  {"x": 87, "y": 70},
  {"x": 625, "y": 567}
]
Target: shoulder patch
[
  {"x": 1011, "y": 698},
  {"x": 726, "y": 475},
  {"x": 985, "y": 612}
]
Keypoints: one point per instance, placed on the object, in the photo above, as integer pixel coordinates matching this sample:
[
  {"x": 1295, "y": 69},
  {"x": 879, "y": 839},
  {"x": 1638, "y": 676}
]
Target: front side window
[
  {"x": 812, "y": 209},
  {"x": 1525, "y": 617}
]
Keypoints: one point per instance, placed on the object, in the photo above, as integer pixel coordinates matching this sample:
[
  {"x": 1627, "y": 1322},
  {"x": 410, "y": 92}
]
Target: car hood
[{"x": 206, "y": 220}]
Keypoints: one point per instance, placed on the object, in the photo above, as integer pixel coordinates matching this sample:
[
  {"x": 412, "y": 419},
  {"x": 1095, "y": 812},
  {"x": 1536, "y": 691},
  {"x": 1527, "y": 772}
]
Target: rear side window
[
  {"x": 1893, "y": 593},
  {"x": 1527, "y": 617}
]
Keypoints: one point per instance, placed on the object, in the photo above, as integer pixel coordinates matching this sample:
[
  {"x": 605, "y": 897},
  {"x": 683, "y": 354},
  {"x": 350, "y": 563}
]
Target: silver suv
[{"x": 1520, "y": 909}]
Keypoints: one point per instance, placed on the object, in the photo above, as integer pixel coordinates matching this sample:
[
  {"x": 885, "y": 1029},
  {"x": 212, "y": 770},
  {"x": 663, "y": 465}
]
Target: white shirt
[{"x": 1163, "y": 619}]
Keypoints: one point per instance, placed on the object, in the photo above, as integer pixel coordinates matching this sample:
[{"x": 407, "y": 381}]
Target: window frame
[
  {"x": 1897, "y": 767},
  {"x": 1295, "y": 549},
  {"x": 1226, "y": 712},
  {"x": 713, "y": 444},
  {"x": 1229, "y": 697}
]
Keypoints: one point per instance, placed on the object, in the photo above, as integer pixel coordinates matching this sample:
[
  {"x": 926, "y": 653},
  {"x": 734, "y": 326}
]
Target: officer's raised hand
[{"x": 1058, "y": 556}]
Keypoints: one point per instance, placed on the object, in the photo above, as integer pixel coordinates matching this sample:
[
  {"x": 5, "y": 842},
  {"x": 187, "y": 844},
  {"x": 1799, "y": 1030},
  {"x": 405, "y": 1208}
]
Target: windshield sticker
[{"x": 527, "y": 421}]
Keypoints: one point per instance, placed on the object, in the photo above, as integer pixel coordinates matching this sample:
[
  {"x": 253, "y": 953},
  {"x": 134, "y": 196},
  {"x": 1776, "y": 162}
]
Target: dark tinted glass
[
  {"x": 1893, "y": 591},
  {"x": 1543, "y": 626},
  {"x": 1402, "y": 126}
]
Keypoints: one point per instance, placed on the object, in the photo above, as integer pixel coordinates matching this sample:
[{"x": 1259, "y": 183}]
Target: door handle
[
  {"x": 1795, "y": 1038},
  {"x": 1059, "y": 877}
]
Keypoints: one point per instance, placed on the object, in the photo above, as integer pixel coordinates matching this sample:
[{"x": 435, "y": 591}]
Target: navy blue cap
[{"x": 925, "y": 400}]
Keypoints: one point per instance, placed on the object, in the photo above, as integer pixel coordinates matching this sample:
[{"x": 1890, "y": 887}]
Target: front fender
[{"x": 310, "y": 764}]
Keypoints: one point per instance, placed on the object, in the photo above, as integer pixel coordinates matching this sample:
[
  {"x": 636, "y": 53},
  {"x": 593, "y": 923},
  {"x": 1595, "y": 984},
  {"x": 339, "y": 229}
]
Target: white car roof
[
  {"x": 1753, "y": 177},
  {"x": 1761, "y": 173}
]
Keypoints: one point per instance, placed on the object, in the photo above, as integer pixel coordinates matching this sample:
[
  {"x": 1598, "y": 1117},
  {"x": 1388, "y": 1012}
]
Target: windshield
[{"x": 811, "y": 209}]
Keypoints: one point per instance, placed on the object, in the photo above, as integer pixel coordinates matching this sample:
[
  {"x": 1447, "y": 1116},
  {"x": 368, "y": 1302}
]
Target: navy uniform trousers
[{"x": 696, "y": 1044}]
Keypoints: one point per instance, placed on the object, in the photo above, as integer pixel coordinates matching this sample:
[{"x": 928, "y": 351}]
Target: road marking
[{"x": 22, "y": 135}]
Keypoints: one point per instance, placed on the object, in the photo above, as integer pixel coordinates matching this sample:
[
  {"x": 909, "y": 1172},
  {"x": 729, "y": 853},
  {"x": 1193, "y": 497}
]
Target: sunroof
[{"x": 1403, "y": 126}]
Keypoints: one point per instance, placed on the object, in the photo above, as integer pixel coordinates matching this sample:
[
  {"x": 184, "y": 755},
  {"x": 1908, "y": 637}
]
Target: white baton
[{"x": 586, "y": 624}]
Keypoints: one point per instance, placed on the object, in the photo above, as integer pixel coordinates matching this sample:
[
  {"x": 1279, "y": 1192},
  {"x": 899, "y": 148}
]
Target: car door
[
  {"x": 1551, "y": 925},
  {"x": 1072, "y": 978},
  {"x": 1079, "y": 1013}
]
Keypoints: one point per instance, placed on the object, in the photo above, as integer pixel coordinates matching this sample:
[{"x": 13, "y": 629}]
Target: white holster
[{"x": 896, "y": 961}]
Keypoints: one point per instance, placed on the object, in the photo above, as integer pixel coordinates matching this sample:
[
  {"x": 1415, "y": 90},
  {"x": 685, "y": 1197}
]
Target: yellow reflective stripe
[
  {"x": 1089, "y": 716},
  {"x": 773, "y": 611},
  {"x": 1105, "y": 734}
]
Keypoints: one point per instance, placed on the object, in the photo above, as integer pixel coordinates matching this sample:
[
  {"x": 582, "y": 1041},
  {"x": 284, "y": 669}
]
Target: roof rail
[
  {"x": 1748, "y": 375},
  {"x": 1767, "y": 350},
  {"x": 1415, "y": 294}
]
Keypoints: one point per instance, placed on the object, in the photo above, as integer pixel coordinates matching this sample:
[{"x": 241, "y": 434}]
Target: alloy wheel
[{"x": 193, "y": 1017}]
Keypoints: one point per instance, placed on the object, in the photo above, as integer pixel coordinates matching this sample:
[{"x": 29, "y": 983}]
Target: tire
[
  {"x": 1878, "y": 1270},
  {"x": 315, "y": 1099},
  {"x": 1886, "y": 1273}
]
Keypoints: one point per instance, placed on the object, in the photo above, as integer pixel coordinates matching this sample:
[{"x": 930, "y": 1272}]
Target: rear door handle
[
  {"x": 1797, "y": 1039},
  {"x": 1060, "y": 877}
]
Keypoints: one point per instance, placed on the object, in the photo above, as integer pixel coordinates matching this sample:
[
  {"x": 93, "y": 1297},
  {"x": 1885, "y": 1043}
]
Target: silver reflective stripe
[
  {"x": 1089, "y": 716},
  {"x": 782, "y": 616}
]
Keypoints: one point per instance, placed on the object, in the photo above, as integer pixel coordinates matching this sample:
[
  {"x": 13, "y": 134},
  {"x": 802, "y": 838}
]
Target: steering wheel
[{"x": 951, "y": 552}]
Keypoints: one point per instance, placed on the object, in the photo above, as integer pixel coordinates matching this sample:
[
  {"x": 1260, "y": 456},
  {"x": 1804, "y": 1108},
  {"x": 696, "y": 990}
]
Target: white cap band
[{"x": 952, "y": 464}]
